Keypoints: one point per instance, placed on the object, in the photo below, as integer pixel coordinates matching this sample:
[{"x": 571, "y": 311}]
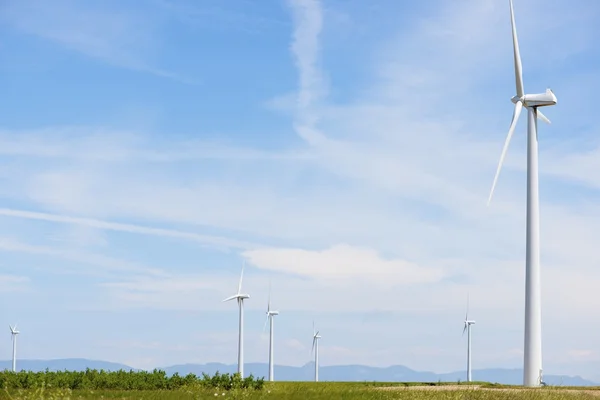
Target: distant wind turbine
[
  {"x": 270, "y": 315},
  {"x": 467, "y": 328},
  {"x": 315, "y": 348},
  {"x": 14, "y": 332},
  {"x": 532, "y": 363},
  {"x": 240, "y": 300}
]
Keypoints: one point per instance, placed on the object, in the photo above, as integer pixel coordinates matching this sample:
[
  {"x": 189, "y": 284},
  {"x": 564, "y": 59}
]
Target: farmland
[{"x": 93, "y": 384}]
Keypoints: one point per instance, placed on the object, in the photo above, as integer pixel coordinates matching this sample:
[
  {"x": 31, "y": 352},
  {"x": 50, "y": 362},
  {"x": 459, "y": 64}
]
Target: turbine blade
[
  {"x": 517, "y": 54},
  {"x": 265, "y": 325},
  {"x": 241, "y": 277},
  {"x": 464, "y": 329},
  {"x": 513, "y": 124},
  {"x": 542, "y": 117},
  {"x": 313, "y": 346},
  {"x": 467, "y": 315},
  {"x": 230, "y": 298},
  {"x": 269, "y": 300}
]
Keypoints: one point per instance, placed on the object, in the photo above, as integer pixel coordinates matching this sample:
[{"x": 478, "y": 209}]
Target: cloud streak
[
  {"x": 118, "y": 37},
  {"x": 308, "y": 23},
  {"x": 96, "y": 144},
  {"x": 8, "y": 244},
  {"x": 214, "y": 241}
]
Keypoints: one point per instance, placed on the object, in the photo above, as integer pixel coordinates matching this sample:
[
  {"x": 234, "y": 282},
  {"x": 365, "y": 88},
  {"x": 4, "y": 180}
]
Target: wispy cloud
[
  {"x": 106, "y": 145},
  {"x": 113, "y": 226},
  {"x": 245, "y": 16},
  {"x": 10, "y": 283},
  {"x": 8, "y": 244},
  {"x": 308, "y": 23},
  {"x": 117, "y": 36}
]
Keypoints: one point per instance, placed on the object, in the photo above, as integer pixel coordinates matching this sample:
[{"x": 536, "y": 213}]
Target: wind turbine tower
[
  {"x": 315, "y": 348},
  {"x": 270, "y": 315},
  {"x": 532, "y": 363},
  {"x": 14, "y": 332},
  {"x": 240, "y": 300},
  {"x": 467, "y": 328}
]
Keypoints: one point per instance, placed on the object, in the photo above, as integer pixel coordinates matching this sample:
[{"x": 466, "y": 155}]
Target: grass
[{"x": 322, "y": 390}]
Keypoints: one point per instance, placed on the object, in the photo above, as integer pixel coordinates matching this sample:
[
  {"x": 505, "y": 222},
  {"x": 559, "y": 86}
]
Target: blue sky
[{"x": 344, "y": 149}]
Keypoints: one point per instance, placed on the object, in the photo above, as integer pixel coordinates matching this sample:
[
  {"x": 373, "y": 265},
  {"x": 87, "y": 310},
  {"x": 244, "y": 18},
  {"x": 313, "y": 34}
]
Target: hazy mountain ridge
[{"x": 396, "y": 373}]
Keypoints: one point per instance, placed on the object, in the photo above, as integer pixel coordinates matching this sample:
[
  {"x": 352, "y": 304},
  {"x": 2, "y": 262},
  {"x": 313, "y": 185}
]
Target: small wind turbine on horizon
[
  {"x": 532, "y": 357},
  {"x": 240, "y": 300},
  {"x": 270, "y": 315},
  {"x": 315, "y": 348},
  {"x": 467, "y": 328},
  {"x": 13, "y": 333}
]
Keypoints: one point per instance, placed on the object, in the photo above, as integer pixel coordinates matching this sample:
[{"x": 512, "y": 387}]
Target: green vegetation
[
  {"x": 93, "y": 380},
  {"x": 156, "y": 385}
]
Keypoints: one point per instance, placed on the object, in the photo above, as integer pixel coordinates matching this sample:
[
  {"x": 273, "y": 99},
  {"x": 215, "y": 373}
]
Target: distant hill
[
  {"x": 70, "y": 364},
  {"x": 396, "y": 373}
]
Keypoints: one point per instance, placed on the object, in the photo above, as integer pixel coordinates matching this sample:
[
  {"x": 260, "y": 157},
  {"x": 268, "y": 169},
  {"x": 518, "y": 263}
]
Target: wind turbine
[
  {"x": 315, "y": 348},
  {"x": 14, "y": 332},
  {"x": 532, "y": 368},
  {"x": 240, "y": 300},
  {"x": 467, "y": 328},
  {"x": 270, "y": 315}
]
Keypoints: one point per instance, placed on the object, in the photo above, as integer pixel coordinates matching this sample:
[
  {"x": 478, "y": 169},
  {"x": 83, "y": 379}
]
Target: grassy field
[
  {"x": 320, "y": 390},
  {"x": 155, "y": 385}
]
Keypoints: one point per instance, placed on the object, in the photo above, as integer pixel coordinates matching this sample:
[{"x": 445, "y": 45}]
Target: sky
[{"x": 344, "y": 149}]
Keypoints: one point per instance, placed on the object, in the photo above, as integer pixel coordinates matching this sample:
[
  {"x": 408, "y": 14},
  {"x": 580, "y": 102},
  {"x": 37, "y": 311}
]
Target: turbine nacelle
[
  {"x": 239, "y": 297},
  {"x": 316, "y": 337},
  {"x": 270, "y": 313},
  {"x": 548, "y": 98},
  {"x": 13, "y": 330}
]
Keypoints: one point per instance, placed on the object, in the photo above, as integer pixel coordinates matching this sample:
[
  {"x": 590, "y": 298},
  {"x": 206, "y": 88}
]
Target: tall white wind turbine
[
  {"x": 532, "y": 368},
  {"x": 13, "y": 333},
  {"x": 315, "y": 348},
  {"x": 240, "y": 300},
  {"x": 270, "y": 315},
  {"x": 467, "y": 328}
]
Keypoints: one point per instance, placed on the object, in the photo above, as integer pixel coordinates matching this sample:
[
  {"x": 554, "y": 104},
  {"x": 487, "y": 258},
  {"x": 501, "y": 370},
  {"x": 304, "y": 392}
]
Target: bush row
[{"x": 92, "y": 379}]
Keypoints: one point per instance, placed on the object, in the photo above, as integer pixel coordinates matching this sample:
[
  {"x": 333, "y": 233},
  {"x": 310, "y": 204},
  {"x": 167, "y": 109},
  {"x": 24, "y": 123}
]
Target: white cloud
[
  {"x": 582, "y": 354},
  {"x": 294, "y": 344},
  {"x": 10, "y": 283},
  {"x": 341, "y": 263}
]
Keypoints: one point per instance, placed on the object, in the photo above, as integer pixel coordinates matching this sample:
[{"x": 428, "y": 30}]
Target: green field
[
  {"x": 317, "y": 390},
  {"x": 156, "y": 385}
]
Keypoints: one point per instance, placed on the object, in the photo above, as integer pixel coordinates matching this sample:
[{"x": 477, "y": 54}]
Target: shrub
[{"x": 123, "y": 380}]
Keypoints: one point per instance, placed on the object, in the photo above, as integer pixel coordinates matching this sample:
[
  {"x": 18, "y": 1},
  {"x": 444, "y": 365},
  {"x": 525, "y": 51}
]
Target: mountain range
[{"x": 396, "y": 373}]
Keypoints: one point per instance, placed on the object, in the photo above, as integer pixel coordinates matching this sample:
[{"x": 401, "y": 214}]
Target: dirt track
[{"x": 594, "y": 392}]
